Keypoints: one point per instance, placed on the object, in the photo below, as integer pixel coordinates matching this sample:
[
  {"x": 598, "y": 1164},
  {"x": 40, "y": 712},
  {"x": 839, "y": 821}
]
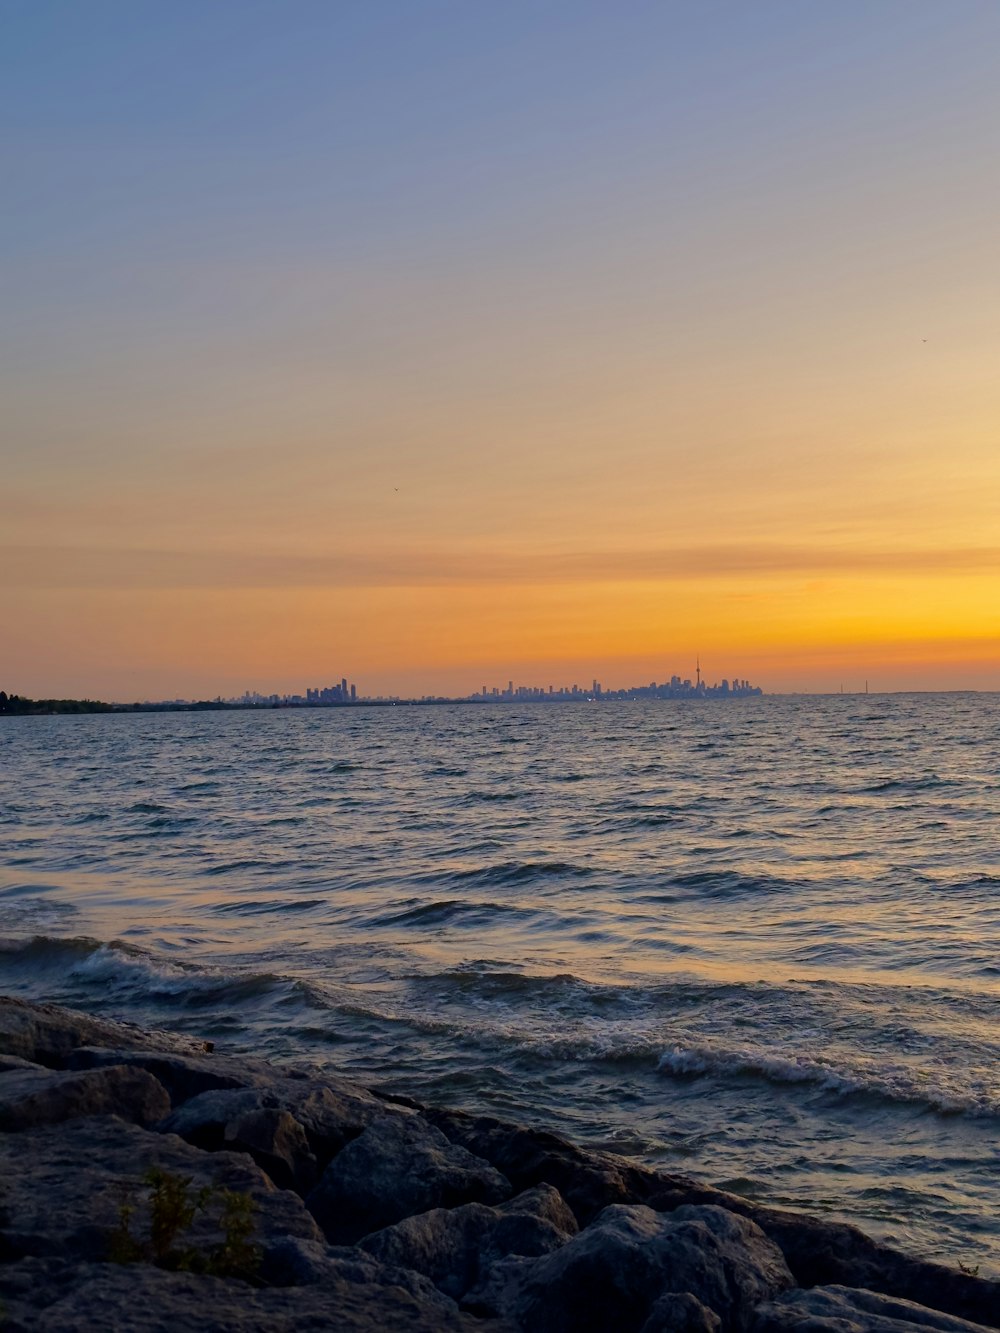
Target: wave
[
  {"x": 497, "y": 983},
  {"x": 721, "y": 884},
  {"x": 653, "y": 821},
  {"x": 249, "y": 863},
  {"x": 536, "y": 1021},
  {"x": 475, "y": 797},
  {"x": 888, "y": 1084},
  {"x": 930, "y": 782},
  {"x": 81, "y": 969},
  {"x": 268, "y": 906},
  {"x": 505, "y": 873},
  {"x": 447, "y": 910}
]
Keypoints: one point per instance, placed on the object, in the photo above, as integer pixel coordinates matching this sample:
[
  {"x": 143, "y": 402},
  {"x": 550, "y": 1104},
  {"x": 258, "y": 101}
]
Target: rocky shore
[{"x": 150, "y": 1182}]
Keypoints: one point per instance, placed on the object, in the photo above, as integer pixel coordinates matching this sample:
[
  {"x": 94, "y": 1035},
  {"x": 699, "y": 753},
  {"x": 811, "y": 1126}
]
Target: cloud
[{"x": 107, "y": 568}]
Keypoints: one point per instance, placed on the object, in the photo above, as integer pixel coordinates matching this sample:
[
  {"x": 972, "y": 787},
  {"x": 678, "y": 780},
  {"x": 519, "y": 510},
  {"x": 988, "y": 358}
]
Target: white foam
[{"x": 936, "y": 1088}]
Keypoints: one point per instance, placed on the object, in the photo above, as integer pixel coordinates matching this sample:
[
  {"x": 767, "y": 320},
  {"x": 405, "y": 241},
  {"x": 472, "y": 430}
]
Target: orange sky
[{"x": 549, "y": 378}]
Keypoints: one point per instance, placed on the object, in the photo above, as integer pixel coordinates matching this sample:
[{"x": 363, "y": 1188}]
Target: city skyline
[{"x": 469, "y": 342}]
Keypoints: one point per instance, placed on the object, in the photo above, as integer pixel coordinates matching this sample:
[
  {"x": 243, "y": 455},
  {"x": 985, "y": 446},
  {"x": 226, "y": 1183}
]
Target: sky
[{"x": 438, "y": 344}]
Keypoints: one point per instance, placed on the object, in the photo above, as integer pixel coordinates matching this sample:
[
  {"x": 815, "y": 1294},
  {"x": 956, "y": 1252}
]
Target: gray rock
[
  {"x": 817, "y": 1250},
  {"x": 183, "y": 1076},
  {"x": 38, "y": 1096},
  {"x": 64, "y": 1186},
  {"x": 305, "y": 1263},
  {"x": 613, "y": 1273},
  {"x": 42, "y": 1297},
  {"x": 820, "y": 1253},
  {"x": 398, "y": 1166},
  {"x": 680, "y": 1312},
  {"x": 544, "y": 1202},
  {"x": 445, "y": 1245},
  {"x": 333, "y": 1112},
  {"x": 278, "y": 1144},
  {"x": 291, "y": 1128},
  {"x": 203, "y": 1120},
  {"x": 47, "y": 1033},
  {"x": 588, "y": 1181},
  {"x": 455, "y": 1247},
  {"x": 8, "y": 1062},
  {"x": 851, "y": 1310}
]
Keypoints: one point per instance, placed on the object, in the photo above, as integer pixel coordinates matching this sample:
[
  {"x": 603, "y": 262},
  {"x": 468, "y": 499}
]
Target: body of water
[{"x": 754, "y": 941}]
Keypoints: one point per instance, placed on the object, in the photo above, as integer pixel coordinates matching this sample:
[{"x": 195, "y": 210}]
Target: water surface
[{"x": 756, "y": 941}]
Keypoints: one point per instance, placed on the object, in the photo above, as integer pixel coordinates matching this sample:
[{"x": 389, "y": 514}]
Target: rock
[
  {"x": 291, "y": 1128},
  {"x": 443, "y": 1244},
  {"x": 824, "y": 1253},
  {"x": 817, "y": 1251},
  {"x": 329, "y": 1117},
  {"x": 183, "y": 1076},
  {"x": 43, "y": 1297},
  {"x": 433, "y": 1186},
  {"x": 612, "y": 1275},
  {"x": 588, "y": 1181},
  {"x": 47, "y": 1033},
  {"x": 305, "y": 1263},
  {"x": 680, "y": 1312},
  {"x": 278, "y": 1144},
  {"x": 398, "y": 1166},
  {"x": 64, "y": 1186},
  {"x": 850, "y": 1310},
  {"x": 544, "y": 1202},
  {"x": 455, "y": 1247},
  {"x": 8, "y": 1062},
  {"x": 38, "y": 1096},
  {"x": 334, "y": 1113},
  {"x": 203, "y": 1120}
]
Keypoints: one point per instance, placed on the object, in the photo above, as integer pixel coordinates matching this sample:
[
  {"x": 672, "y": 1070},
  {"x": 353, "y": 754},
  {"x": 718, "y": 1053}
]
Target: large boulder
[
  {"x": 839, "y": 1309},
  {"x": 183, "y": 1076},
  {"x": 588, "y": 1181},
  {"x": 456, "y": 1247},
  {"x": 249, "y": 1120},
  {"x": 616, "y": 1274},
  {"x": 680, "y": 1312},
  {"x": 821, "y": 1252},
  {"x": 45, "y": 1296},
  {"x": 8, "y": 1062},
  {"x": 818, "y": 1251},
  {"x": 398, "y": 1166},
  {"x": 47, "y": 1033},
  {"x": 38, "y": 1096},
  {"x": 307, "y": 1263},
  {"x": 65, "y": 1186},
  {"x": 291, "y": 1128}
]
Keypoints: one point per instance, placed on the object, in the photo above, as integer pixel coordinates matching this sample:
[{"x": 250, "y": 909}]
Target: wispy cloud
[{"x": 95, "y": 568}]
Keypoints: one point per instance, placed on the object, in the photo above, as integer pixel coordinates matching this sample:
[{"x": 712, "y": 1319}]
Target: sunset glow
[{"x": 446, "y": 344}]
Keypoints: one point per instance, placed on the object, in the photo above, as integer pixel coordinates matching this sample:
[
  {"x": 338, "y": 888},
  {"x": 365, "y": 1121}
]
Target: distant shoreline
[{"x": 81, "y": 707}]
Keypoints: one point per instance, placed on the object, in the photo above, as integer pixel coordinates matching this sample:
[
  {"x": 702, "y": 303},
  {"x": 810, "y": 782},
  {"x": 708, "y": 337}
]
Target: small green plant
[
  {"x": 970, "y": 1270},
  {"x": 237, "y": 1256},
  {"x": 123, "y": 1247},
  {"x": 173, "y": 1208}
]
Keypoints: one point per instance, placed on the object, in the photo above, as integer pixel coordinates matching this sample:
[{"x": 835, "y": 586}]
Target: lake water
[{"x": 755, "y": 941}]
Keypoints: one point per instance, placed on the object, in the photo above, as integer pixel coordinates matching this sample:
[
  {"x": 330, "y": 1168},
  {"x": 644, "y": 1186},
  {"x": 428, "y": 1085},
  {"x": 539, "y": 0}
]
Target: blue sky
[{"x": 650, "y": 266}]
